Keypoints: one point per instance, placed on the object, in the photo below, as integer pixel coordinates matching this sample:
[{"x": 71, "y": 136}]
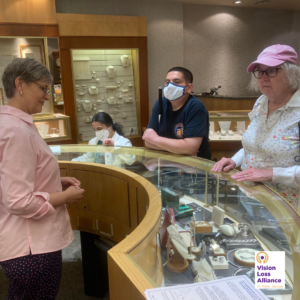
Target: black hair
[
  {"x": 187, "y": 75},
  {"x": 106, "y": 119}
]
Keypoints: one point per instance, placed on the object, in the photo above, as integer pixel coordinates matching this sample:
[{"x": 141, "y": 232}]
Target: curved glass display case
[{"x": 257, "y": 218}]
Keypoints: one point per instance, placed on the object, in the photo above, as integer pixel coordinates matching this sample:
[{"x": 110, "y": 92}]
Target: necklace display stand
[
  {"x": 111, "y": 73},
  {"x": 203, "y": 271},
  {"x": 125, "y": 60},
  {"x": 87, "y": 106},
  {"x": 178, "y": 262},
  {"x": 93, "y": 90}
]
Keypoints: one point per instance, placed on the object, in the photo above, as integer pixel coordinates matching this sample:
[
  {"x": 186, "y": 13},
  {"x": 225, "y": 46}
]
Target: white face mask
[
  {"x": 102, "y": 134},
  {"x": 173, "y": 91}
]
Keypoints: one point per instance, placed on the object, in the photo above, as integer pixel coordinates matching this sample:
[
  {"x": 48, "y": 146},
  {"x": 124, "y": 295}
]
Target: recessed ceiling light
[
  {"x": 233, "y": 189},
  {"x": 237, "y": 2}
]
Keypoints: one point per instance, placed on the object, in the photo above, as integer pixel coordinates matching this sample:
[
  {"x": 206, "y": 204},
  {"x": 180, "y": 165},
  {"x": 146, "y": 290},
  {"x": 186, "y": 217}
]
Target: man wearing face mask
[{"x": 184, "y": 124}]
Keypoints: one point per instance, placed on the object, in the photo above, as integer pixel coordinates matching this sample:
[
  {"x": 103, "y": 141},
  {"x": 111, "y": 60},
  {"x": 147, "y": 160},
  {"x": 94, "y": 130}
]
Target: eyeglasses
[
  {"x": 271, "y": 73},
  {"x": 44, "y": 89},
  {"x": 297, "y": 158}
]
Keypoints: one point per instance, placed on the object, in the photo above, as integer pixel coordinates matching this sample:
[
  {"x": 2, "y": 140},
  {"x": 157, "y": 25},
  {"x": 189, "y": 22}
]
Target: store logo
[
  {"x": 179, "y": 130},
  {"x": 270, "y": 270},
  {"x": 262, "y": 257}
]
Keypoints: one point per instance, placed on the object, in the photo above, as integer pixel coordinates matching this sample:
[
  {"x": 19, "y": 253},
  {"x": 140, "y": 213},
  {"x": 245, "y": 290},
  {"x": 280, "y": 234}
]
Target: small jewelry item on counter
[
  {"x": 229, "y": 230},
  {"x": 245, "y": 257},
  {"x": 245, "y": 229},
  {"x": 216, "y": 249},
  {"x": 218, "y": 262}
]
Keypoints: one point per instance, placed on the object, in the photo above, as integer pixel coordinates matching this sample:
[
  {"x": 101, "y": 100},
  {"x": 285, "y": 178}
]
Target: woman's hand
[
  {"x": 73, "y": 194},
  {"x": 225, "y": 164},
  {"x": 108, "y": 142},
  {"x": 258, "y": 175},
  {"x": 69, "y": 181}
]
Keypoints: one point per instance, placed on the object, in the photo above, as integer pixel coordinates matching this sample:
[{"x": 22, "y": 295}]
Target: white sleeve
[
  {"x": 239, "y": 157},
  {"x": 289, "y": 176},
  {"x": 128, "y": 158},
  {"x": 89, "y": 156},
  {"x": 122, "y": 141}
]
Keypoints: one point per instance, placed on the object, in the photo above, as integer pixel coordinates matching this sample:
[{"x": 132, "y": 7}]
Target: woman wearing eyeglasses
[
  {"x": 271, "y": 143},
  {"x": 34, "y": 222}
]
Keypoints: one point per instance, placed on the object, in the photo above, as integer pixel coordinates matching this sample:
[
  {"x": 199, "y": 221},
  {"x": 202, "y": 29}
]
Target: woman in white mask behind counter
[{"x": 107, "y": 133}]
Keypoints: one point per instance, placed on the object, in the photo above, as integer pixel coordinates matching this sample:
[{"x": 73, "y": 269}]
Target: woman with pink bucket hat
[{"x": 270, "y": 150}]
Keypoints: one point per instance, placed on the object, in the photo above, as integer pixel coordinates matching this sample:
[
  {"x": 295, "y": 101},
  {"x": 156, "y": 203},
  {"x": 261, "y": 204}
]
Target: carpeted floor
[{"x": 71, "y": 287}]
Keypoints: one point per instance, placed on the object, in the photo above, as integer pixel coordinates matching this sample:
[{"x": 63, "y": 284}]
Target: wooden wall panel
[
  {"x": 28, "y": 11},
  {"x": 212, "y": 103},
  {"x": 100, "y": 25},
  {"x": 17, "y": 29}
]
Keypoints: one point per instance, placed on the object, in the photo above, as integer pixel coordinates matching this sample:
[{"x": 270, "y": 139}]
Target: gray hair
[
  {"x": 27, "y": 69},
  {"x": 292, "y": 73}
]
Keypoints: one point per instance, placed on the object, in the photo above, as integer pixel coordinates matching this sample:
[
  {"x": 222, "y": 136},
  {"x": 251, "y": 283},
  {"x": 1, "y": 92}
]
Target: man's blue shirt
[{"x": 190, "y": 121}]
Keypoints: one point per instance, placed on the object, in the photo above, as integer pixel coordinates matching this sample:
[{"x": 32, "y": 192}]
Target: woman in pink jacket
[{"x": 34, "y": 222}]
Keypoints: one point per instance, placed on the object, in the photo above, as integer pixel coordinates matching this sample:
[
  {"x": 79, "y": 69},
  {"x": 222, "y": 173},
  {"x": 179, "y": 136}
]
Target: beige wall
[
  {"x": 220, "y": 43},
  {"x": 216, "y": 43},
  {"x": 164, "y": 31}
]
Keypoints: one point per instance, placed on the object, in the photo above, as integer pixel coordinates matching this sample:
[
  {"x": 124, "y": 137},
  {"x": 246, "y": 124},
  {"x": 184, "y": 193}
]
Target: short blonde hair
[{"x": 292, "y": 73}]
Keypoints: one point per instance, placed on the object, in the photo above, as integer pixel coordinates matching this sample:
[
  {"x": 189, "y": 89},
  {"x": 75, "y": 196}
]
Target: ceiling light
[
  {"x": 237, "y": 2},
  {"x": 233, "y": 189}
]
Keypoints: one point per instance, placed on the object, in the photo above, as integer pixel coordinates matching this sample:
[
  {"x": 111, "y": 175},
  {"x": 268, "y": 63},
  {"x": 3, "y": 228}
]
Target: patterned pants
[{"x": 33, "y": 277}]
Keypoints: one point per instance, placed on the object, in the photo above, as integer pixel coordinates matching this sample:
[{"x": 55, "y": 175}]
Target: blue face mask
[{"x": 173, "y": 91}]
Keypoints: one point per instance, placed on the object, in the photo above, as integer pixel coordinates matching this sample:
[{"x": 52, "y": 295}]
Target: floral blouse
[{"x": 274, "y": 142}]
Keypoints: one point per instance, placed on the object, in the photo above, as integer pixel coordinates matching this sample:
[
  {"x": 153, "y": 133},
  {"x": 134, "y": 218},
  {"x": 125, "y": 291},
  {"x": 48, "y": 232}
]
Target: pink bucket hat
[{"x": 274, "y": 56}]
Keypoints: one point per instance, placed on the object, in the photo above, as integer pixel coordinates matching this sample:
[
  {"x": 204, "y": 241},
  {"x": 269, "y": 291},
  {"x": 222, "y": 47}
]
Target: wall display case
[
  {"x": 106, "y": 80},
  {"x": 220, "y": 223},
  {"x": 56, "y": 67},
  {"x": 52, "y": 127},
  {"x": 55, "y": 128},
  {"x": 228, "y": 125}
]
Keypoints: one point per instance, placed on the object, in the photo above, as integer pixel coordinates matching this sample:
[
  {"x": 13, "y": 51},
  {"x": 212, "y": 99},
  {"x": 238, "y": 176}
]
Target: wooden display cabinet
[{"x": 56, "y": 67}]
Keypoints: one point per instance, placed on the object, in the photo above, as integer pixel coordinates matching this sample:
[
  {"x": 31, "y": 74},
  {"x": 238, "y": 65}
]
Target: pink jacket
[{"x": 28, "y": 173}]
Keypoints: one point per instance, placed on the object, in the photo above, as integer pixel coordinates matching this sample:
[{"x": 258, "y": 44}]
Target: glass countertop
[{"x": 274, "y": 224}]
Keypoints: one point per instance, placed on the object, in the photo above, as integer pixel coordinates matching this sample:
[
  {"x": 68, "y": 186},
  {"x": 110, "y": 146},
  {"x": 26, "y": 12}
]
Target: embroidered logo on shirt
[{"x": 179, "y": 130}]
